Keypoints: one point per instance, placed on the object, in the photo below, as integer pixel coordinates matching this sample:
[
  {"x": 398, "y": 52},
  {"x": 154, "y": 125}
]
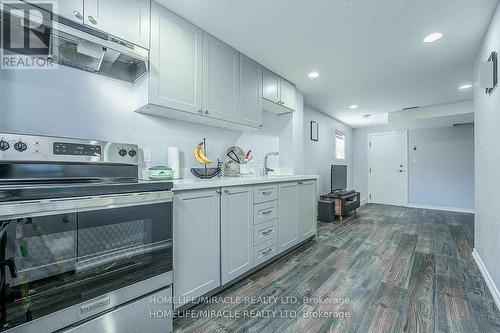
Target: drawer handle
[
  {"x": 267, "y": 232},
  {"x": 267, "y": 212},
  {"x": 266, "y": 252},
  {"x": 267, "y": 192}
]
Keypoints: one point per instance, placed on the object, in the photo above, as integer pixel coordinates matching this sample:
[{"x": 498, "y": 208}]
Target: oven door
[{"x": 67, "y": 262}]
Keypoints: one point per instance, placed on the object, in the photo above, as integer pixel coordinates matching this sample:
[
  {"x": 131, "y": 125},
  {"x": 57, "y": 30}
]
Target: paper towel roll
[{"x": 173, "y": 161}]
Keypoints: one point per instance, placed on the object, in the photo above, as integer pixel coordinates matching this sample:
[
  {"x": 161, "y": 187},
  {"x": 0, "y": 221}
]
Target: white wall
[
  {"x": 443, "y": 175},
  {"x": 487, "y": 139},
  {"x": 320, "y": 155},
  {"x": 441, "y": 170},
  {"x": 74, "y": 103}
]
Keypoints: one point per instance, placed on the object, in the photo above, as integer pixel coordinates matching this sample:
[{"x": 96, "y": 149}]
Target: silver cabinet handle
[
  {"x": 267, "y": 251},
  {"x": 206, "y": 111},
  {"x": 400, "y": 171},
  {"x": 200, "y": 111},
  {"x": 267, "y": 212},
  {"x": 267, "y": 193},
  {"x": 218, "y": 191},
  {"x": 77, "y": 14},
  {"x": 267, "y": 232},
  {"x": 92, "y": 20},
  {"x": 226, "y": 191},
  {"x": 301, "y": 183}
]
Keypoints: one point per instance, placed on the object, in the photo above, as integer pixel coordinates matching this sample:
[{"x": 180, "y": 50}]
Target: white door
[
  {"x": 176, "y": 62},
  {"x": 387, "y": 174},
  {"x": 220, "y": 79},
  {"x": 236, "y": 232},
  {"x": 125, "y": 19}
]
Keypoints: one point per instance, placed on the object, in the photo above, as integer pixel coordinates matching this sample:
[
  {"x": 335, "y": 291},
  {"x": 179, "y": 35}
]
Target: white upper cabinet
[
  {"x": 287, "y": 90},
  {"x": 250, "y": 92},
  {"x": 220, "y": 79},
  {"x": 71, "y": 10},
  {"x": 176, "y": 62},
  {"x": 271, "y": 86},
  {"x": 125, "y": 19},
  {"x": 278, "y": 94}
]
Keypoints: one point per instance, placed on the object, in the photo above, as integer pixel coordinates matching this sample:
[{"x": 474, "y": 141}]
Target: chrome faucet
[{"x": 266, "y": 168}]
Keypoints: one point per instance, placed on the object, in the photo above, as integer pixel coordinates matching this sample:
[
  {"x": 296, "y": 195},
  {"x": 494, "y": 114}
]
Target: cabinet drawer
[
  {"x": 264, "y": 193},
  {"x": 264, "y": 232},
  {"x": 265, "y": 212},
  {"x": 265, "y": 251}
]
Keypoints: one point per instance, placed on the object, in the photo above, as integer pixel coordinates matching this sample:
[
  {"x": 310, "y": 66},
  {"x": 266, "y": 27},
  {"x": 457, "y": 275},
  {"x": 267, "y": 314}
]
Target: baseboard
[
  {"x": 487, "y": 277},
  {"x": 448, "y": 209},
  {"x": 363, "y": 202}
]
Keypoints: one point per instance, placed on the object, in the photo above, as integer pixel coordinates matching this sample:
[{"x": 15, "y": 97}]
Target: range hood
[
  {"x": 77, "y": 46},
  {"x": 103, "y": 55}
]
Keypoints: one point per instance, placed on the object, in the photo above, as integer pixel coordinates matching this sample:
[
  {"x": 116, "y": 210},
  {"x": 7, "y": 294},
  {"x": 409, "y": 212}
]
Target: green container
[{"x": 161, "y": 173}]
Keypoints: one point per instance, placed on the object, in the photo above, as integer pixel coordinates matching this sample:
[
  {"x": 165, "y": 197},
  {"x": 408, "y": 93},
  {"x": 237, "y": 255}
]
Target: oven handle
[{"x": 15, "y": 210}]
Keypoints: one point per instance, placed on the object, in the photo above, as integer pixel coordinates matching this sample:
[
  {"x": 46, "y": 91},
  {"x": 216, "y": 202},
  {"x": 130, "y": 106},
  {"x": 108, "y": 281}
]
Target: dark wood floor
[{"x": 395, "y": 269}]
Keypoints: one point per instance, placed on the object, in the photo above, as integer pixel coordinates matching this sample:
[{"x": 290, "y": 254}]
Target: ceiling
[{"x": 368, "y": 53}]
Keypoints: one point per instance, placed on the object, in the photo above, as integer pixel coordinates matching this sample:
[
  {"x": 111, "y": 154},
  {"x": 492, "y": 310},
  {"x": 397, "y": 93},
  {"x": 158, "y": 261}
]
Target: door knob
[{"x": 92, "y": 20}]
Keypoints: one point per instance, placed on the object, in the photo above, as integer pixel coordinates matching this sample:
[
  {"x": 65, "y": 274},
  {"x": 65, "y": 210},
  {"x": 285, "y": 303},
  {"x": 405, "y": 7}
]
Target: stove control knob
[
  {"x": 122, "y": 152},
  {"x": 4, "y": 145},
  {"x": 132, "y": 153},
  {"x": 20, "y": 146}
]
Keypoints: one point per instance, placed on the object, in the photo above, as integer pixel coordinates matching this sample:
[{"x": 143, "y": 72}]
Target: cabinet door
[
  {"x": 220, "y": 79},
  {"x": 196, "y": 243},
  {"x": 71, "y": 10},
  {"x": 176, "y": 62},
  {"x": 125, "y": 19},
  {"x": 288, "y": 233},
  {"x": 287, "y": 94},
  {"x": 307, "y": 209},
  {"x": 236, "y": 232},
  {"x": 250, "y": 92},
  {"x": 271, "y": 86}
]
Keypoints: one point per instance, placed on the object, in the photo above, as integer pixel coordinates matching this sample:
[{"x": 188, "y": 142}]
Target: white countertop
[{"x": 195, "y": 183}]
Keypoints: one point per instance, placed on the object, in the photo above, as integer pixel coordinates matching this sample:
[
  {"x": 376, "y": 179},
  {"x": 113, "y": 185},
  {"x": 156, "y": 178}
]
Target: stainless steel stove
[{"x": 84, "y": 244}]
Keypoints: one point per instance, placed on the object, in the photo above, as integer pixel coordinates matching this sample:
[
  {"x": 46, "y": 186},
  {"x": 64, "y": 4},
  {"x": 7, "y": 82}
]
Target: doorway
[{"x": 388, "y": 168}]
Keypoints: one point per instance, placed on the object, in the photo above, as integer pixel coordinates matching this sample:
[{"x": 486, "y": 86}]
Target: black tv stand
[{"x": 345, "y": 202}]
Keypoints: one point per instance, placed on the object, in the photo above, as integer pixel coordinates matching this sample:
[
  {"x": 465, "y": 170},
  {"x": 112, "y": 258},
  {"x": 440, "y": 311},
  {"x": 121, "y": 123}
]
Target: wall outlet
[{"x": 148, "y": 155}]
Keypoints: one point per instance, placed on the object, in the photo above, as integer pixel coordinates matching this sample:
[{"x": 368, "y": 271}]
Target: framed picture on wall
[{"x": 314, "y": 131}]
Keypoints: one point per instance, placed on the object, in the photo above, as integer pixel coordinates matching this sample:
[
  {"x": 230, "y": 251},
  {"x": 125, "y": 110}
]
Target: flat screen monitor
[{"x": 339, "y": 177}]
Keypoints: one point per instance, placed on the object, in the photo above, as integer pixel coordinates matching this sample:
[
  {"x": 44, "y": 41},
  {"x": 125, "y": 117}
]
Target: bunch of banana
[{"x": 200, "y": 156}]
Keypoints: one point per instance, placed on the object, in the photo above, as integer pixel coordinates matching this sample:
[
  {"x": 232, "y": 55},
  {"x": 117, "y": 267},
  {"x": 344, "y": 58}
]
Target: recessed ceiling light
[
  {"x": 433, "y": 37},
  {"x": 313, "y": 75},
  {"x": 465, "y": 86},
  {"x": 354, "y": 106}
]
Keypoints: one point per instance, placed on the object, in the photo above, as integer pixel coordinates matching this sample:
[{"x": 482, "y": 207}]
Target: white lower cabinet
[
  {"x": 196, "y": 244},
  {"x": 307, "y": 209},
  {"x": 237, "y": 236},
  {"x": 222, "y": 233},
  {"x": 288, "y": 229},
  {"x": 297, "y": 213}
]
